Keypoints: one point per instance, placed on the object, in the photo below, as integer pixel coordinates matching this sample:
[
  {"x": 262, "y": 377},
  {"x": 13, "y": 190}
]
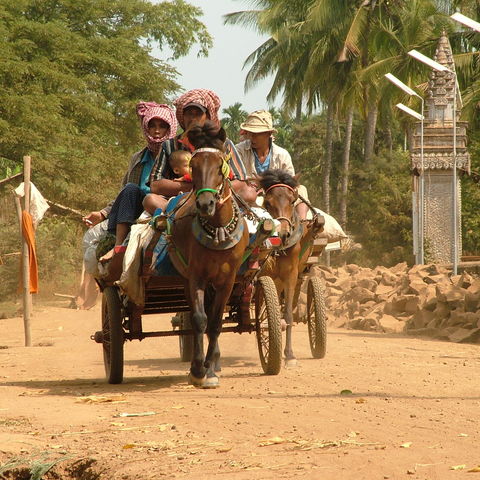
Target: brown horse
[
  {"x": 280, "y": 196},
  {"x": 208, "y": 240}
]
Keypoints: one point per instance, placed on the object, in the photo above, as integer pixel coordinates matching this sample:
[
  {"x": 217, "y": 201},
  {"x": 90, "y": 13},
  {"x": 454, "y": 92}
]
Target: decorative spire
[{"x": 441, "y": 87}]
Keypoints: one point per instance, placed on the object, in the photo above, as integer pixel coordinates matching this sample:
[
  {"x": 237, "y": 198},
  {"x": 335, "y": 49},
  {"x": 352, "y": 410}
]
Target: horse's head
[
  {"x": 280, "y": 195},
  {"x": 209, "y": 166}
]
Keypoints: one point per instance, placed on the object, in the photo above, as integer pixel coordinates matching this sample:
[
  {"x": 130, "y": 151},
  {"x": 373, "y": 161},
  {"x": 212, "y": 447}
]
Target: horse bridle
[
  {"x": 295, "y": 192},
  {"x": 225, "y": 171}
]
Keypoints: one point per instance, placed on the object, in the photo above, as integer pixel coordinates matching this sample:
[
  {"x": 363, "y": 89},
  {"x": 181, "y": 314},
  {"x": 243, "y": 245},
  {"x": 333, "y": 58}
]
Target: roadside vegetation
[{"x": 72, "y": 70}]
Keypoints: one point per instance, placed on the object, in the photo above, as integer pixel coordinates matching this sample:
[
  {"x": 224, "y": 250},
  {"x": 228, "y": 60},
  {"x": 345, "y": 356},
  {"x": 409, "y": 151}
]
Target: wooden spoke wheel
[
  {"x": 316, "y": 317},
  {"x": 185, "y": 341},
  {"x": 268, "y": 325},
  {"x": 112, "y": 334}
]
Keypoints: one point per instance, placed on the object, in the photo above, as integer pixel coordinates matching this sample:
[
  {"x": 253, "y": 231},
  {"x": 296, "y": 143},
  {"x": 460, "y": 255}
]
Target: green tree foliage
[
  {"x": 234, "y": 117},
  {"x": 70, "y": 74}
]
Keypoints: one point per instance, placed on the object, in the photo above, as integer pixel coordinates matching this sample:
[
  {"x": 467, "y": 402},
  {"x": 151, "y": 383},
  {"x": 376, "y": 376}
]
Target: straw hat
[{"x": 258, "y": 122}]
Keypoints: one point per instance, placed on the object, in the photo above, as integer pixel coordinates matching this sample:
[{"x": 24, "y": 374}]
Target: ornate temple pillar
[{"x": 438, "y": 162}]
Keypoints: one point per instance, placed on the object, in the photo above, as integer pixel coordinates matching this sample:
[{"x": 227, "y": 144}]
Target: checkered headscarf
[
  {"x": 206, "y": 98},
  {"x": 148, "y": 110}
]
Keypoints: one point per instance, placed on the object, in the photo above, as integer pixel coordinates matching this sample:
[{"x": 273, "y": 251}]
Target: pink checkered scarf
[
  {"x": 148, "y": 110},
  {"x": 204, "y": 97}
]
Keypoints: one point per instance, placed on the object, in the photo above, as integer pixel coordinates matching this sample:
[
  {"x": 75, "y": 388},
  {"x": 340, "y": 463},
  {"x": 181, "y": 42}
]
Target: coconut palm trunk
[
  {"x": 327, "y": 162},
  {"x": 370, "y": 128},
  {"x": 346, "y": 168}
]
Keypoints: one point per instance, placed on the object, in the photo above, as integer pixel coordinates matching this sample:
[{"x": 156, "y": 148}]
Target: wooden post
[{"x": 27, "y": 297}]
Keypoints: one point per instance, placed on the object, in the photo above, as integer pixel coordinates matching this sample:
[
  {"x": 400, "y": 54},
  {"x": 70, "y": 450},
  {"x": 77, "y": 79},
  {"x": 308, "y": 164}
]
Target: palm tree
[{"x": 235, "y": 116}]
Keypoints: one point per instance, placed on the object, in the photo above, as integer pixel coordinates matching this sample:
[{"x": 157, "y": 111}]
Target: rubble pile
[{"x": 423, "y": 300}]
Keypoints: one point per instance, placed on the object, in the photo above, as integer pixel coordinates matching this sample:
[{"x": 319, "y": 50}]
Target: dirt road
[{"x": 413, "y": 412}]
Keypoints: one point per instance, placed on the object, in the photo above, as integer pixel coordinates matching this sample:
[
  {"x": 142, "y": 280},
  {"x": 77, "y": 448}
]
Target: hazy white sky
[{"x": 222, "y": 71}]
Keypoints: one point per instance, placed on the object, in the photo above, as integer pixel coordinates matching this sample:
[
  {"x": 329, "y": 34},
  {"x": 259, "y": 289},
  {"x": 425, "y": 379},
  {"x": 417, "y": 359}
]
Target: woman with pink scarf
[{"x": 158, "y": 124}]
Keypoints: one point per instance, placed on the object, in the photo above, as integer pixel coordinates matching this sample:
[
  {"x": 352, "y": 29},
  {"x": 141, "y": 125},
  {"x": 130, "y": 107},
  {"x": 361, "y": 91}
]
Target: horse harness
[
  {"x": 226, "y": 236},
  {"x": 296, "y": 227}
]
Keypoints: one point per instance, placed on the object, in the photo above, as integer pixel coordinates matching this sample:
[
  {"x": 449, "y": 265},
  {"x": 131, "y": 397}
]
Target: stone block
[
  {"x": 331, "y": 302},
  {"x": 465, "y": 280},
  {"x": 367, "y": 283},
  {"x": 352, "y": 268},
  {"x": 456, "y": 294},
  {"x": 330, "y": 291},
  {"x": 345, "y": 285},
  {"x": 442, "y": 310},
  {"x": 359, "y": 294},
  {"x": 463, "y": 334},
  {"x": 390, "y": 324},
  {"x": 422, "y": 318},
  {"x": 460, "y": 317},
  {"x": 430, "y": 303},
  {"x": 367, "y": 307},
  {"x": 412, "y": 303},
  {"x": 389, "y": 278},
  {"x": 417, "y": 287},
  {"x": 436, "y": 279},
  {"x": 435, "y": 269},
  {"x": 384, "y": 289},
  {"x": 352, "y": 308},
  {"x": 399, "y": 268},
  {"x": 474, "y": 287}
]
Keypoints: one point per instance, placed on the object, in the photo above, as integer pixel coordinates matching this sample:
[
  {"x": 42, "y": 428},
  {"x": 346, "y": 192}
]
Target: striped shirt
[{"x": 161, "y": 169}]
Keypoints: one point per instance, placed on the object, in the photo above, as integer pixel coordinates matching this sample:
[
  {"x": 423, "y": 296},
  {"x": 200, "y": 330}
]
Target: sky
[{"x": 222, "y": 71}]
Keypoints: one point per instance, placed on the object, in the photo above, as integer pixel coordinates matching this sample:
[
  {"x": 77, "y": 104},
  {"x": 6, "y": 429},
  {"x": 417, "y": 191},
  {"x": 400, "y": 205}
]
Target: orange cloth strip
[{"x": 28, "y": 232}]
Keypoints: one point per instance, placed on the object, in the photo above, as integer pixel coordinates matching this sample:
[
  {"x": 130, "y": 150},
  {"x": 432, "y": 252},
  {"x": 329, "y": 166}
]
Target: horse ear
[
  {"x": 222, "y": 135},
  {"x": 297, "y": 177},
  {"x": 194, "y": 134}
]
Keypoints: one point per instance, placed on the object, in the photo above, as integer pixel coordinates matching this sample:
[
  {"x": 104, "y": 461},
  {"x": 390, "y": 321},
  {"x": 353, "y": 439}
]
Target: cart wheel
[
  {"x": 185, "y": 341},
  {"x": 113, "y": 335},
  {"x": 268, "y": 325},
  {"x": 316, "y": 317}
]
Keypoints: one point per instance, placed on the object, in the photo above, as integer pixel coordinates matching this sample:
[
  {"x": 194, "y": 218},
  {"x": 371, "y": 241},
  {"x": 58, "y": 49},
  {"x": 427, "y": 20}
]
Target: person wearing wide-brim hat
[{"x": 260, "y": 153}]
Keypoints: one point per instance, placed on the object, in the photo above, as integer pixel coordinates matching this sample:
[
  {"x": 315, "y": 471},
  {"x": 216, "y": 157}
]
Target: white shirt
[{"x": 281, "y": 159}]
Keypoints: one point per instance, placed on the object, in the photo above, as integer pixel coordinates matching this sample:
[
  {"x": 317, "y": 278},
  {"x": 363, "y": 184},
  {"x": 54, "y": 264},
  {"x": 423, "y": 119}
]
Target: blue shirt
[
  {"x": 147, "y": 162},
  {"x": 262, "y": 167}
]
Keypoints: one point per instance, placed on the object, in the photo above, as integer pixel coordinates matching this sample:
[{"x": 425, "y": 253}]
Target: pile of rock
[{"x": 423, "y": 300}]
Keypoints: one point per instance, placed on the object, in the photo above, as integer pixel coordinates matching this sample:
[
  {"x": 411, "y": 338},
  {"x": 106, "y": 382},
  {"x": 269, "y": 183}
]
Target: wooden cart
[{"x": 253, "y": 307}]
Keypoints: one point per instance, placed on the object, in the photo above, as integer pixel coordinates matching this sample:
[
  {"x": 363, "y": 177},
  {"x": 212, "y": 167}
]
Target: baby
[{"x": 180, "y": 164}]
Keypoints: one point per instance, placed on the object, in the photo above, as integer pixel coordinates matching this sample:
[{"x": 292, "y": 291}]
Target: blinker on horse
[{"x": 208, "y": 251}]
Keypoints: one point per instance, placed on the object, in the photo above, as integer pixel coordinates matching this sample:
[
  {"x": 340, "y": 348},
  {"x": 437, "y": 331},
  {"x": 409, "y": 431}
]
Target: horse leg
[
  {"x": 199, "y": 324},
  {"x": 290, "y": 359},
  {"x": 213, "y": 331},
  {"x": 210, "y": 297}
]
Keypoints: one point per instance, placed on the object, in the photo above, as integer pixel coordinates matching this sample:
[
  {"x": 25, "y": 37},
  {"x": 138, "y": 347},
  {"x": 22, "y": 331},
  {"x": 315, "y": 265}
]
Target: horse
[
  {"x": 280, "y": 195},
  {"x": 208, "y": 250}
]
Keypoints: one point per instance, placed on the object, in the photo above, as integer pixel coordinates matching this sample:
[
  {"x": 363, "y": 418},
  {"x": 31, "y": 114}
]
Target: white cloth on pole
[{"x": 38, "y": 204}]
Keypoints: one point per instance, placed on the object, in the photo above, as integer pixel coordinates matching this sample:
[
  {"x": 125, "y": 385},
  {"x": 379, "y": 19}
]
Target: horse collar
[{"x": 219, "y": 238}]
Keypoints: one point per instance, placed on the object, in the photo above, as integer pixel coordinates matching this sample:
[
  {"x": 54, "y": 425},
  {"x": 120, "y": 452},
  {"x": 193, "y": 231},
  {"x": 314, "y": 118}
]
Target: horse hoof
[
  {"x": 211, "y": 382},
  {"x": 196, "y": 382},
  {"x": 291, "y": 363}
]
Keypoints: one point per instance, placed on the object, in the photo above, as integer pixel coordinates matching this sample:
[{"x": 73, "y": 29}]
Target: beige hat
[{"x": 258, "y": 121}]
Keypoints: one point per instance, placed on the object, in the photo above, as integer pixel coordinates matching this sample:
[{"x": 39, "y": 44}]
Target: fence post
[{"x": 27, "y": 296}]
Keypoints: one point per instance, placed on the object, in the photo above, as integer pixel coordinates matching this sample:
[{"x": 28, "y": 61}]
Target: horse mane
[
  {"x": 276, "y": 176},
  {"x": 208, "y": 136}
]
